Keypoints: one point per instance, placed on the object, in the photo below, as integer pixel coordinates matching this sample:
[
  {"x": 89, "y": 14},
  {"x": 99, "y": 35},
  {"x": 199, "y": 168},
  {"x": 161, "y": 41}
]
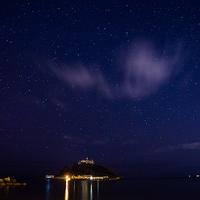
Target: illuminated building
[
  {"x": 86, "y": 161},
  {"x": 49, "y": 176}
]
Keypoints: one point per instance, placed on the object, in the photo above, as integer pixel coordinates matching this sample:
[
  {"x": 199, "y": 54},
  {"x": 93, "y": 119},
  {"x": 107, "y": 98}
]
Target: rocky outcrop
[{"x": 8, "y": 181}]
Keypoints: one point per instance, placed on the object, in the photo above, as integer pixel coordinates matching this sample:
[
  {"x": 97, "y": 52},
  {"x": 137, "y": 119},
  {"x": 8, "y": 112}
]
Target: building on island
[
  {"x": 86, "y": 161},
  {"x": 49, "y": 176}
]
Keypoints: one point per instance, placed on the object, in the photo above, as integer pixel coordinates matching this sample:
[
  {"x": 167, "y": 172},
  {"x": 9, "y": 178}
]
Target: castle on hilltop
[{"x": 86, "y": 161}]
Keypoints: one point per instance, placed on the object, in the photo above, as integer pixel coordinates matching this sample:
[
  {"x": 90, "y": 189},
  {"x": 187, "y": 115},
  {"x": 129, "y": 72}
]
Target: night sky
[{"x": 115, "y": 81}]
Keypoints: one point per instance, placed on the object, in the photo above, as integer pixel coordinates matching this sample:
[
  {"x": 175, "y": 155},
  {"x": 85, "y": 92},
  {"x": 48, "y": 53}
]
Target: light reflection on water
[
  {"x": 47, "y": 188},
  {"x": 90, "y": 191},
  {"x": 67, "y": 190},
  {"x": 97, "y": 189},
  {"x": 157, "y": 189},
  {"x": 53, "y": 190},
  {"x": 83, "y": 190},
  {"x": 5, "y": 190}
]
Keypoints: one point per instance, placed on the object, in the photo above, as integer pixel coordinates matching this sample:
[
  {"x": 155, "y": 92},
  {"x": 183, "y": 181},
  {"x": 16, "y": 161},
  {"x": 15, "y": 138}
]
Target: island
[{"x": 86, "y": 170}]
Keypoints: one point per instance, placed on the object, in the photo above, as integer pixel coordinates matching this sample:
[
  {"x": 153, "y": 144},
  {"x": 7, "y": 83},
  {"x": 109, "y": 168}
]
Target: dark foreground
[{"x": 155, "y": 189}]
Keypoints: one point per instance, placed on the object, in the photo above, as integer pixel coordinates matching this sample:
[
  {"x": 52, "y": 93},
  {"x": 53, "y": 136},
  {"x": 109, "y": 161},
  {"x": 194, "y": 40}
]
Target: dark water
[{"x": 169, "y": 189}]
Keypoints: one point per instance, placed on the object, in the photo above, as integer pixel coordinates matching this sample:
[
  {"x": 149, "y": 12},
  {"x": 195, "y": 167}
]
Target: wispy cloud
[
  {"x": 75, "y": 141},
  {"x": 144, "y": 71},
  {"x": 191, "y": 146},
  {"x": 195, "y": 145},
  {"x": 77, "y": 76}
]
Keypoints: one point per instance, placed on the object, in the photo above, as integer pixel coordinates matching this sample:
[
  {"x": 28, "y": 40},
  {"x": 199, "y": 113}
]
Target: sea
[{"x": 126, "y": 189}]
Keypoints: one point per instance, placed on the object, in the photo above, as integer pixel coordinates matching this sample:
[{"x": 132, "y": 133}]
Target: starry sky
[{"x": 115, "y": 81}]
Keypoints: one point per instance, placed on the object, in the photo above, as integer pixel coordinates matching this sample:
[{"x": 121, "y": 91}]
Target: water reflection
[
  {"x": 4, "y": 190},
  {"x": 91, "y": 191},
  {"x": 73, "y": 189},
  {"x": 47, "y": 188},
  {"x": 83, "y": 190},
  {"x": 97, "y": 189},
  {"x": 67, "y": 190}
]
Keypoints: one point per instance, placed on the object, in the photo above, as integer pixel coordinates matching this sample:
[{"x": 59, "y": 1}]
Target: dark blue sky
[{"x": 115, "y": 81}]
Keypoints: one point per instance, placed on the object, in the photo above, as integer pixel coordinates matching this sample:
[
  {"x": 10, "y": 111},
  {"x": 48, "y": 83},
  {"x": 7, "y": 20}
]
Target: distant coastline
[{"x": 8, "y": 181}]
